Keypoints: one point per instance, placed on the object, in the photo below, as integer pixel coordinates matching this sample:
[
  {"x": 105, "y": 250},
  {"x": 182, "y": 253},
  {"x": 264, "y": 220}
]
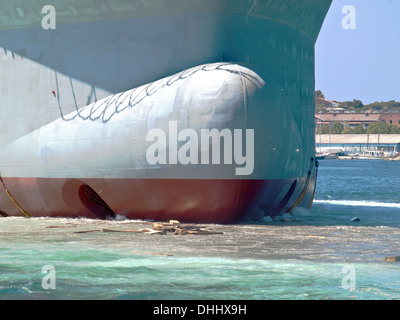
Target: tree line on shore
[
  {"x": 374, "y": 128},
  {"x": 359, "y": 107}
]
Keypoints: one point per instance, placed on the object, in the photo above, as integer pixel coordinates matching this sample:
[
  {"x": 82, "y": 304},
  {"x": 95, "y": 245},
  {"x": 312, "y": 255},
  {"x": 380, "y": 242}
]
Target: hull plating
[
  {"x": 80, "y": 141},
  {"x": 206, "y": 201}
]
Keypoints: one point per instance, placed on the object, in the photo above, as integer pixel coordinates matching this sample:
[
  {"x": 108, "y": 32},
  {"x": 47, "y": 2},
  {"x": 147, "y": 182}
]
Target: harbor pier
[{"x": 385, "y": 146}]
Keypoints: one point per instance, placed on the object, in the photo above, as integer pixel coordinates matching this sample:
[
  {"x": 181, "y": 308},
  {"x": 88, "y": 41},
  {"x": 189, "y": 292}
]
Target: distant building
[
  {"x": 351, "y": 120},
  {"x": 391, "y": 118},
  {"x": 330, "y": 106},
  {"x": 323, "y": 103},
  {"x": 389, "y": 143}
]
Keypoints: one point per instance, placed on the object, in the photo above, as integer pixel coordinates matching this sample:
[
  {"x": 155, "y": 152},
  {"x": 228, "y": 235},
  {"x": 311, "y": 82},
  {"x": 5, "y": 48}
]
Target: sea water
[{"x": 318, "y": 254}]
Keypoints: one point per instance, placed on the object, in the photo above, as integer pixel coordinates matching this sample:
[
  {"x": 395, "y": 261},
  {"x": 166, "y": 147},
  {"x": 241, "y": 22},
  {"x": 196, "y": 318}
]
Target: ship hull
[
  {"x": 202, "y": 201},
  {"x": 200, "y": 111}
]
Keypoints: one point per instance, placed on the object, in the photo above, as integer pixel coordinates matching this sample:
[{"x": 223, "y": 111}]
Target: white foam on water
[
  {"x": 354, "y": 203},
  {"x": 301, "y": 212}
]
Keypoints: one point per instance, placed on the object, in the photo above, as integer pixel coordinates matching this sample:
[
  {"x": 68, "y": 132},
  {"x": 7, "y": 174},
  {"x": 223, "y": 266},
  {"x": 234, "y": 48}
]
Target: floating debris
[
  {"x": 173, "y": 226},
  {"x": 153, "y": 253},
  {"x": 87, "y": 231},
  {"x": 134, "y": 231},
  {"x": 54, "y": 227},
  {"x": 316, "y": 237},
  {"x": 392, "y": 259}
]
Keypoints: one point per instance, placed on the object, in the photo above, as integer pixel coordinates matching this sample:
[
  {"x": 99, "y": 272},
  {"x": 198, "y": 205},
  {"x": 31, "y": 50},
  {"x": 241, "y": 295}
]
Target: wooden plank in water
[
  {"x": 135, "y": 231},
  {"x": 392, "y": 259},
  {"x": 54, "y": 227}
]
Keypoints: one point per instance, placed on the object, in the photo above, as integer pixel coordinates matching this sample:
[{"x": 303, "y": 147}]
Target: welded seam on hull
[
  {"x": 12, "y": 198},
  {"x": 301, "y": 196},
  {"x": 104, "y": 109},
  {"x": 312, "y": 198},
  {"x": 290, "y": 25},
  {"x": 255, "y": 3},
  {"x": 303, "y": 193},
  {"x": 315, "y": 184}
]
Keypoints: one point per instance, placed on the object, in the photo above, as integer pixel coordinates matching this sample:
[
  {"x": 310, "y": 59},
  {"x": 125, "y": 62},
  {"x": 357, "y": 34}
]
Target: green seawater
[{"x": 321, "y": 255}]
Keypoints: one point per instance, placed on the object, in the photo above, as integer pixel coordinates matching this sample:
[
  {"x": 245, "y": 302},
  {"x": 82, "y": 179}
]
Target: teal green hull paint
[{"x": 52, "y": 73}]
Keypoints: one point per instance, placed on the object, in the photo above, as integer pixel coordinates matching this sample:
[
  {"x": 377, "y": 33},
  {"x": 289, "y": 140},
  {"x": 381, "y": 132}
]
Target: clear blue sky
[{"x": 361, "y": 63}]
